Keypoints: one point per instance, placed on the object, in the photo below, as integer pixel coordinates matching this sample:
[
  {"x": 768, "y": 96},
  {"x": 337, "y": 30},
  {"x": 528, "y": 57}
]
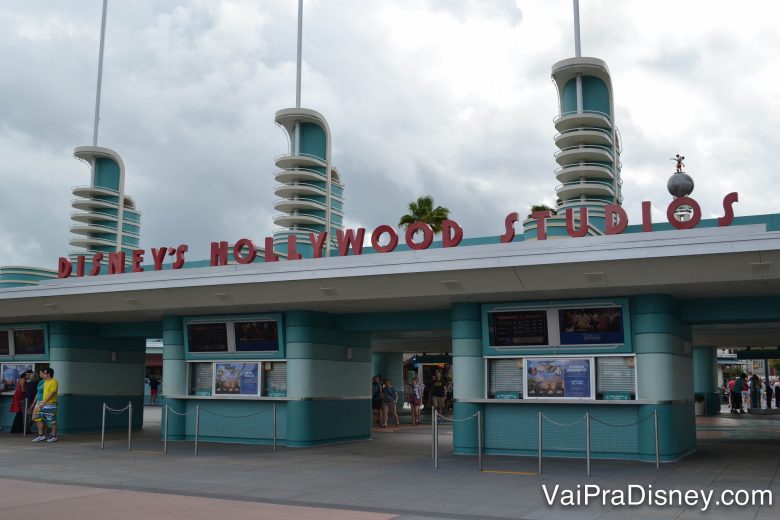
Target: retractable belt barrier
[{"x": 587, "y": 418}]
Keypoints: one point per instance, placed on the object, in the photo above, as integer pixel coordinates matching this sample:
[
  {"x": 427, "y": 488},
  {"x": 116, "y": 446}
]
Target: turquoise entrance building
[{"x": 619, "y": 325}]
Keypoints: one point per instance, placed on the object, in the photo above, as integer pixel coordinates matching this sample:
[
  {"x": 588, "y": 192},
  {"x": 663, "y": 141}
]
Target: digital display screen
[
  {"x": 517, "y": 328},
  {"x": 207, "y": 337},
  {"x": 29, "y": 342},
  {"x": 591, "y": 326},
  {"x": 253, "y": 336}
]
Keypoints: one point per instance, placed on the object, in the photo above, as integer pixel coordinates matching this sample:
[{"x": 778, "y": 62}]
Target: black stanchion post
[
  {"x": 197, "y": 427},
  {"x": 165, "y": 435},
  {"x": 657, "y": 447},
  {"x": 540, "y": 443},
  {"x": 103, "y": 428},
  {"x": 479, "y": 439},
  {"x": 587, "y": 440},
  {"x": 274, "y": 425},
  {"x": 129, "y": 426}
]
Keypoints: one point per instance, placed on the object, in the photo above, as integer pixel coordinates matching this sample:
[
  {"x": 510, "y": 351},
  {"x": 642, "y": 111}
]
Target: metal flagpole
[
  {"x": 577, "y": 49},
  {"x": 100, "y": 73},
  {"x": 300, "y": 48}
]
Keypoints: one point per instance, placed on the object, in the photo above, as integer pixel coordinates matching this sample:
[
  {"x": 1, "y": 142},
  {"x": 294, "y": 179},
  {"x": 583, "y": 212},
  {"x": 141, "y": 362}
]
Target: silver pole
[
  {"x": 657, "y": 447},
  {"x": 479, "y": 439},
  {"x": 300, "y": 49},
  {"x": 129, "y": 426},
  {"x": 433, "y": 433},
  {"x": 274, "y": 425},
  {"x": 100, "y": 73},
  {"x": 103, "y": 428},
  {"x": 540, "y": 443},
  {"x": 197, "y": 427},
  {"x": 24, "y": 431},
  {"x": 587, "y": 440},
  {"x": 436, "y": 439},
  {"x": 577, "y": 49},
  {"x": 165, "y": 436}
]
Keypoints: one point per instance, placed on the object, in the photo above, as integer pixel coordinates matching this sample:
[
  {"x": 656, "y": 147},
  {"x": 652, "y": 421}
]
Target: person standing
[
  {"x": 438, "y": 393},
  {"x": 777, "y": 392},
  {"x": 415, "y": 399},
  {"x": 768, "y": 392},
  {"x": 389, "y": 402},
  {"x": 17, "y": 403},
  {"x": 31, "y": 391},
  {"x": 755, "y": 391},
  {"x": 48, "y": 407},
  {"x": 154, "y": 384}
]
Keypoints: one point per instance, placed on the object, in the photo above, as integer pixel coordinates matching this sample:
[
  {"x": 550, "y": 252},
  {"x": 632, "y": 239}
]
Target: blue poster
[
  {"x": 576, "y": 378},
  {"x": 11, "y": 375},
  {"x": 248, "y": 379}
]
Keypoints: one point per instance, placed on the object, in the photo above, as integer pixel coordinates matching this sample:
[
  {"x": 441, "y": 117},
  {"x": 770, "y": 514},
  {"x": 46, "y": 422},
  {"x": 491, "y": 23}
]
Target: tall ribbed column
[
  {"x": 175, "y": 373},
  {"x": 664, "y": 373},
  {"x": 468, "y": 373}
]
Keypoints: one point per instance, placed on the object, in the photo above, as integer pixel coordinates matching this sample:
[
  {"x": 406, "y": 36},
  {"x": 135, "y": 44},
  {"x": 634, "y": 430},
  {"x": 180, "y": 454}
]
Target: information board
[
  {"x": 236, "y": 379},
  {"x": 518, "y": 328},
  {"x": 559, "y": 378},
  {"x": 10, "y": 374},
  {"x": 207, "y": 337}
]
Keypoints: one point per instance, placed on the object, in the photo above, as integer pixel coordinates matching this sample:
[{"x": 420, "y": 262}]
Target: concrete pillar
[
  {"x": 468, "y": 373},
  {"x": 664, "y": 374},
  {"x": 175, "y": 375},
  {"x": 704, "y": 383},
  {"x": 328, "y": 380}
]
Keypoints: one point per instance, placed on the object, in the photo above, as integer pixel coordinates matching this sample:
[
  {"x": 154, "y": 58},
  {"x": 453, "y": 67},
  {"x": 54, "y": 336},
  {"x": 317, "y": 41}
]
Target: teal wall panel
[
  {"x": 83, "y": 413},
  {"x": 310, "y": 423},
  {"x": 705, "y": 383}
]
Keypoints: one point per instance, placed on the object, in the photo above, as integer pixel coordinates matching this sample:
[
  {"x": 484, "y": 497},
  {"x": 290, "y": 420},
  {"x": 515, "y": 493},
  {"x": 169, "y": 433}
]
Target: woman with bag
[{"x": 17, "y": 403}]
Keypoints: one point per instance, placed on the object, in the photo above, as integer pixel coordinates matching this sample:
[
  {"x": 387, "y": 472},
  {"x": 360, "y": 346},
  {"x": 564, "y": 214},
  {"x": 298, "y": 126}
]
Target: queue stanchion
[
  {"x": 103, "y": 428},
  {"x": 433, "y": 433},
  {"x": 24, "y": 431},
  {"x": 540, "y": 443},
  {"x": 165, "y": 435},
  {"x": 129, "y": 426},
  {"x": 587, "y": 441},
  {"x": 436, "y": 439},
  {"x": 657, "y": 443},
  {"x": 479, "y": 439},
  {"x": 274, "y": 426},
  {"x": 197, "y": 427}
]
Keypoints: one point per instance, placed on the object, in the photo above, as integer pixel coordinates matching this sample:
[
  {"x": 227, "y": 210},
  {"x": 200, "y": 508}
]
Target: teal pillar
[
  {"x": 705, "y": 363},
  {"x": 468, "y": 373},
  {"x": 175, "y": 374},
  {"x": 664, "y": 373},
  {"x": 328, "y": 380}
]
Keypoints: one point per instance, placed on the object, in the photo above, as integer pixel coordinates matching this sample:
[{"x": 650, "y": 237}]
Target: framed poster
[
  {"x": 236, "y": 379},
  {"x": 201, "y": 378},
  {"x": 562, "y": 378},
  {"x": 591, "y": 326},
  {"x": 207, "y": 337},
  {"x": 253, "y": 336},
  {"x": 518, "y": 328},
  {"x": 10, "y": 375}
]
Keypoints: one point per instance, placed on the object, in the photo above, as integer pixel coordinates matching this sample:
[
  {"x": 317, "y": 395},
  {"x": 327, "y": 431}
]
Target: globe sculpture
[{"x": 680, "y": 184}]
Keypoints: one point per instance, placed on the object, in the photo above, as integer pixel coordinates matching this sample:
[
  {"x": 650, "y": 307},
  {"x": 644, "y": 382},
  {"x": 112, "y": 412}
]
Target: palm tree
[
  {"x": 541, "y": 207},
  {"x": 422, "y": 210}
]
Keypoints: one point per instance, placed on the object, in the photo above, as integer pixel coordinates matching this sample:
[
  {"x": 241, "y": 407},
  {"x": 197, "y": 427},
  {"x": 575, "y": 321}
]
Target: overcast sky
[{"x": 451, "y": 98}]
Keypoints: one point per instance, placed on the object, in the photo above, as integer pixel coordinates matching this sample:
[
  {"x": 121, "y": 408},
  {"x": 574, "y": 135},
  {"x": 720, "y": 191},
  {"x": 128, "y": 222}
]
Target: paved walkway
[{"x": 391, "y": 476}]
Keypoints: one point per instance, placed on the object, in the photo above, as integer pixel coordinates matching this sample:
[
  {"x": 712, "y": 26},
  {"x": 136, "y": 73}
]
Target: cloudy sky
[{"x": 451, "y": 98}]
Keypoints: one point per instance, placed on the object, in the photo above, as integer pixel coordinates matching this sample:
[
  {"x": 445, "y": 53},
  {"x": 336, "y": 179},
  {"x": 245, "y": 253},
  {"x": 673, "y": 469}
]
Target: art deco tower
[
  {"x": 310, "y": 191},
  {"x": 588, "y": 143}
]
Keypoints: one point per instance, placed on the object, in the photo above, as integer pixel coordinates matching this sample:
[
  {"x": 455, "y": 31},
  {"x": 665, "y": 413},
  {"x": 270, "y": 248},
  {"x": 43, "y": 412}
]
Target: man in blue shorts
[{"x": 47, "y": 408}]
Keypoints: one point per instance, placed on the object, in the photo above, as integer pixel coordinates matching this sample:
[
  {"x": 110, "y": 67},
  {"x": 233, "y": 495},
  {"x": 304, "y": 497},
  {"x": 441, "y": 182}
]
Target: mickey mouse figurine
[{"x": 680, "y": 164}]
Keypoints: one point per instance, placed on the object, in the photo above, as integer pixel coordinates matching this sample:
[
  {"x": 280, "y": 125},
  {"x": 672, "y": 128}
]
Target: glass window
[
  {"x": 236, "y": 379},
  {"x": 616, "y": 377},
  {"x": 275, "y": 379},
  {"x": 5, "y": 346},
  {"x": 253, "y": 336},
  {"x": 207, "y": 337},
  {"x": 201, "y": 378},
  {"x": 29, "y": 342},
  {"x": 505, "y": 378}
]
